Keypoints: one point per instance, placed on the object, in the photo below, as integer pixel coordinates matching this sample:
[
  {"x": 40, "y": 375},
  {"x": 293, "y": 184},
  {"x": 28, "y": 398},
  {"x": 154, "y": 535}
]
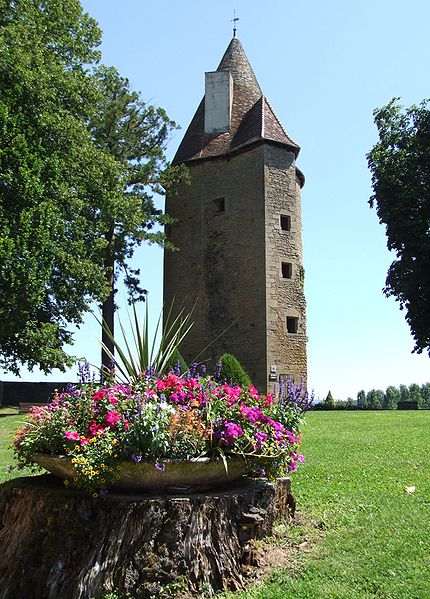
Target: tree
[
  {"x": 374, "y": 399},
  {"x": 134, "y": 134},
  {"x": 425, "y": 394},
  {"x": 329, "y": 401},
  {"x": 54, "y": 181},
  {"x": 415, "y": 395},
  {"x": 404, "y": 393},
  {"x": 391, "y": 398},
  {"x": 400, "y": 167},
  {"x": 361, "y": 400}
]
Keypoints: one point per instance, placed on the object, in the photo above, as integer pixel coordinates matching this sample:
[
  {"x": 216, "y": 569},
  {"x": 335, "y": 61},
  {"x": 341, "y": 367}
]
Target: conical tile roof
[{"x": 252, "y": 117}]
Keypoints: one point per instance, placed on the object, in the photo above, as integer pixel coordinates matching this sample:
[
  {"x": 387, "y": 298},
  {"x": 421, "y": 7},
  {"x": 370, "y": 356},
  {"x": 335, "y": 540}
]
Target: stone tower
[{"x": 238, "y": 230}]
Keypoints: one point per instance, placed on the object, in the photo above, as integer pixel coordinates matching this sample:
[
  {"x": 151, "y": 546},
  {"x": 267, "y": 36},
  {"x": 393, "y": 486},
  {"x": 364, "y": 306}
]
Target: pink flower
[
  {"x": 161, "y": 385},
  {"x": 268, "y": 400},
  {"x": 72, "y": 435},
  {"x": 229, "y": 433},
  {"x": 94, "y": 428},
  {"x": 112, "y": 418},
  {"x": 98, "y": 395}
]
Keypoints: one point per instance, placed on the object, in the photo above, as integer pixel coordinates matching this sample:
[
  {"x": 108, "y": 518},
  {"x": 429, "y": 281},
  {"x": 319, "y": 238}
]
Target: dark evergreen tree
[
  {"x": 329, "y": 401},
  {"x": 232, "y": 371},
  {"x": 135, "y": 135}
]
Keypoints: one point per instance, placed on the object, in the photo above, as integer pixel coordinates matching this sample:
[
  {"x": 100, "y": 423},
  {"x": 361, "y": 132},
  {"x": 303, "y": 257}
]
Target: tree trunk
[
  {"x": 57, "y": 542},
  {"x": 108, "y": 308}
]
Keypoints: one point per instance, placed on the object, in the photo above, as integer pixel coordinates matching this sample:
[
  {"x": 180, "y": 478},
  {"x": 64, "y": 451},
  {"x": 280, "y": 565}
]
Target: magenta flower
[
  {"x": 229, "y": 433},
  {"x": 112, "y": 417},
  {"x": 98, "y": 395},
  {"x": 72, "y": 435},
  {"x": 94, "y": 428}
]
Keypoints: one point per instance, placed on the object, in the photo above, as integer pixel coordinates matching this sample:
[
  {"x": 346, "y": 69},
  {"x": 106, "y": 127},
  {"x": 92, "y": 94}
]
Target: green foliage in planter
[
  {"x": 178, "y": 362},
  {"x": 232, "y": 371}
]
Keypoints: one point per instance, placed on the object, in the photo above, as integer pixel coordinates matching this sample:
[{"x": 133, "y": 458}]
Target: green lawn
[
  {"x": 377, "y": 536},
  {"x": 9, "y": 421}
]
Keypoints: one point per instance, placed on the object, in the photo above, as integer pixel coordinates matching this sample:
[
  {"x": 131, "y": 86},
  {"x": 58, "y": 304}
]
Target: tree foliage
[
  {"x": 400, "y": 166},
  {"x": 80, "y": 156},
  {"x": 52, "y": 179},
  {"x": 232, "y": 371},
  {"x": 135, "y": 135}
]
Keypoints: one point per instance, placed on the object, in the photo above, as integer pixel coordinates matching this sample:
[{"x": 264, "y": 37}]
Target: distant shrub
[{"x": 232, "y": 371}]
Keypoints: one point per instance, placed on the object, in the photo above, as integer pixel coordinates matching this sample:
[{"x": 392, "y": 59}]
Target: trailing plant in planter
[{"x": 161, "y": 418}]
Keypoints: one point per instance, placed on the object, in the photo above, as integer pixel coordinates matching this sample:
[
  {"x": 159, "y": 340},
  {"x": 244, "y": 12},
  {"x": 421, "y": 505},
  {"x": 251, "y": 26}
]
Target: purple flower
[
  {"x": 160, "y": 466},
  {"x": 136, "y": 457},
  {"x": 259, "y": 439},
  {"x": 254, "y": 415},
  {"x": 229, "y": 432}
]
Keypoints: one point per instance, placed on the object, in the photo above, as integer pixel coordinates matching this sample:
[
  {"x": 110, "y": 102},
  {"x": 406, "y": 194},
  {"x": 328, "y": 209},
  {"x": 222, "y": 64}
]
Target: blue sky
[{"x": 324, "y": 67}]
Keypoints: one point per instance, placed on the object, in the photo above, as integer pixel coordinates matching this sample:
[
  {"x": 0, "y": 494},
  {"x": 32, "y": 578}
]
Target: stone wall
[
  {"x": 221, "y": 260},
  {"x": 285, "y": 295},
  {"x": 231, "y": 250}
]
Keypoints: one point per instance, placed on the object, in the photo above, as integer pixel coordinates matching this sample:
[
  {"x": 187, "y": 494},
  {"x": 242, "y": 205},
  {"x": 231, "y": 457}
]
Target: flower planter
[{"x": 177, "y": 476}]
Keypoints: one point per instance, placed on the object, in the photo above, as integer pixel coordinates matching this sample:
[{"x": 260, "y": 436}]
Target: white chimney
[{"x": 218, "y": 101}]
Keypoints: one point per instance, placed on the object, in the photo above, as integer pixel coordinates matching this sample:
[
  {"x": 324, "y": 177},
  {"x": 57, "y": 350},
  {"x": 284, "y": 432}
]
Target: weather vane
[{"x": 234, "y": 20}]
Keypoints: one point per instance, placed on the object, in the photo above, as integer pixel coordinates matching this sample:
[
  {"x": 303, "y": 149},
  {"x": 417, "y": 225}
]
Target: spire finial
[{"x": 234, "y": 20}]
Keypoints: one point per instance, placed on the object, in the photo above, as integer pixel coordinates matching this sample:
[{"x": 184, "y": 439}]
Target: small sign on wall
[
  {"x": 273, "y": 369},
  {"x": 273, "y": 377}
]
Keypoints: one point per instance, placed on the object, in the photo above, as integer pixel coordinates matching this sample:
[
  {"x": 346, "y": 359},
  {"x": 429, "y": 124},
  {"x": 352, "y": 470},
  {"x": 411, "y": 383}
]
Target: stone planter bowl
[{"x": 196, "y": 474}]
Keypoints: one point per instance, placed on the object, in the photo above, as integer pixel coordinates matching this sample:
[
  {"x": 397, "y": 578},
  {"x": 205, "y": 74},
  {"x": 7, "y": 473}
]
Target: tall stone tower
[{"x": 238, "y": 230}]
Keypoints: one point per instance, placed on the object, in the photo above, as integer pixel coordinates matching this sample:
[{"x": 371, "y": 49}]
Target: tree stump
[{"x": 56, "y": 542}]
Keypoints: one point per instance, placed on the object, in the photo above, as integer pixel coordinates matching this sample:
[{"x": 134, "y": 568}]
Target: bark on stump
[{"x": 56, "y": 542}]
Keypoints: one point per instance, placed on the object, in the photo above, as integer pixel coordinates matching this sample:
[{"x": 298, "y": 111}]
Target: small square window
[
  {"x": 285, "y": 222},
  {"x": 292, "y": 324},
  {"x": 219, "y": 204},
  {"x": 287, "y": 270}
]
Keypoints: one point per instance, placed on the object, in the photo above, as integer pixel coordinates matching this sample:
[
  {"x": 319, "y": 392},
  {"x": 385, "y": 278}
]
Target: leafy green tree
[
  {"x": 415, "y": 395},
  {"x": 400, "y": 166},
  {"x": 135, "y": 135},
  {"x": 232, "y": 371},
  {"x": 391, "y": 398},
  {"x": 374, "y": 399},
  {"x": 54, "y": 182},
  {"x": 361, "y": 400},
  {"x": 404, "y": 393},
  {"x": 425, "y": 394},
  {"x": 350, "y": 403}
]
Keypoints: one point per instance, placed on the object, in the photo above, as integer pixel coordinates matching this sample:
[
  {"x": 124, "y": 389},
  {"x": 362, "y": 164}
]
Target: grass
[
  {"x": 377, "y": 536},
  {"x": 9, "y": 421}
]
